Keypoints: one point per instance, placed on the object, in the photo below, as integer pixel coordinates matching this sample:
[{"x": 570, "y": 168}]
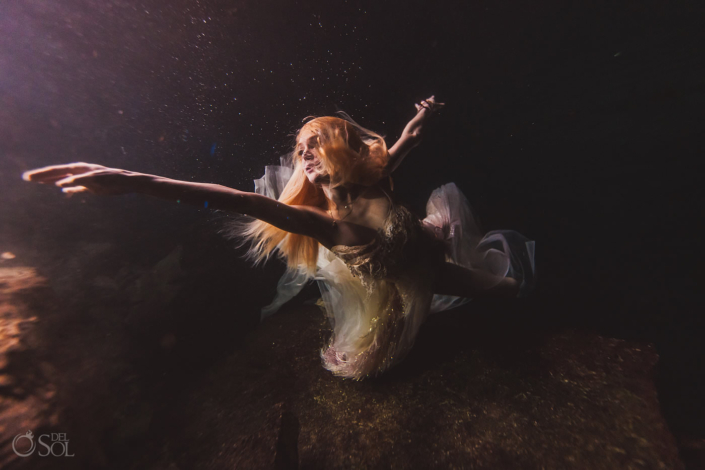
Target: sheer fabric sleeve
[
  {"x": 271, "y": 185},
  {"x": 500, "y": 252}
]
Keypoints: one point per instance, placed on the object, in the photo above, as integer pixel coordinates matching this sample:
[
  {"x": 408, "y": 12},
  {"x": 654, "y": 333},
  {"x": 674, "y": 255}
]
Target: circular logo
[{"x": 32, "y": 444}]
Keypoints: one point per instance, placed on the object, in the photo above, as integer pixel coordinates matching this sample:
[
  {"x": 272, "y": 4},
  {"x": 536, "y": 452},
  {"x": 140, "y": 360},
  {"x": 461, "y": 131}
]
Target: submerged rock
[
  {"x": 477, "y": 391},
  {"x": 565, "y": 400},
  {"x": 26, "y": 386}
]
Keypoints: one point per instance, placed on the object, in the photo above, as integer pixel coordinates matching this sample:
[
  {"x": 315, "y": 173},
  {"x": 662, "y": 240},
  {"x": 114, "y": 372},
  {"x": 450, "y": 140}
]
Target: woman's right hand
[
  {"x": 81, "y": 177},
  {"x": 429, "y": 105}
]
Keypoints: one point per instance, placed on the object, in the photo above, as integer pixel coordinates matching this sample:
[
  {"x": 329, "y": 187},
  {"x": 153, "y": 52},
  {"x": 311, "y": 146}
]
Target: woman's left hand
[
  {"x": 81, "y": 177},
  {"x": 429, "y": 105}
]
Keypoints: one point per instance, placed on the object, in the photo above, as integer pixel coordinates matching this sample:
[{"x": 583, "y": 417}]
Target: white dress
[{"x": 377, "y": 295}]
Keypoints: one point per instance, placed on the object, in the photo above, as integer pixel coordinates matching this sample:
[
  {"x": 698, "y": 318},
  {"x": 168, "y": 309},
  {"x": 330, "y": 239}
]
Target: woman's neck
[{"x": 344, "y": 194}]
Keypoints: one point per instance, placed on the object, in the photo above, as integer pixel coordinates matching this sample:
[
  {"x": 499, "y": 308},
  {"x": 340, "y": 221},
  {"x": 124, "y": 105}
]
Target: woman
[{"x": 328, "y": 212}]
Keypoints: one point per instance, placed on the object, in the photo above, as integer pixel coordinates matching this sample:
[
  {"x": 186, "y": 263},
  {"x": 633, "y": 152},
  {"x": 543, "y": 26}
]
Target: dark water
[{"x": 579, "y": 124}]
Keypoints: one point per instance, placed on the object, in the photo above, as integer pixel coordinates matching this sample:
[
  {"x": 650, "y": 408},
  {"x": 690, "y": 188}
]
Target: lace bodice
[{"x": 398, "y": 245}]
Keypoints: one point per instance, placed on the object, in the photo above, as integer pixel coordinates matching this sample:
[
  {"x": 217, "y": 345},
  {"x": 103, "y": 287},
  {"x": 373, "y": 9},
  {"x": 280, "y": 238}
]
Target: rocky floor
[
  {"x": 479, "y": 390},
  {"x": 564, "y": 400}
]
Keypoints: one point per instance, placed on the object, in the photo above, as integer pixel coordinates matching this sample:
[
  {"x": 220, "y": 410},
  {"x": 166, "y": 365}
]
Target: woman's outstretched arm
[
  {"x": 295, "y": 219},
  {"x": 97, "y": 179},
  {"x": 411, "y": 136}
]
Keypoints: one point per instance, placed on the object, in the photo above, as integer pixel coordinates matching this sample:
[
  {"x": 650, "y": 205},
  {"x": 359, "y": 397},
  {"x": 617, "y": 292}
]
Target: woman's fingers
[
  {"x": 423, "y": 105},
  {"x": 74, "y": 179},
  {"x": 104, "y": 181},
  {"x": 47, "y": 179},
  {"x": 432, "y": 101},
  {"x": 73, "y": 190},
  {"x": 430, "y": 104},
  {"x": 83, "y": 177},
  {"x": 65, "y": 181},
  {"x": 53, "y": 173}
]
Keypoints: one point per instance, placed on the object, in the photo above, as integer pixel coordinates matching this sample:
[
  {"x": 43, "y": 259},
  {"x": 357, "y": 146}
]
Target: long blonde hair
[{"x": 349, "y": 154}]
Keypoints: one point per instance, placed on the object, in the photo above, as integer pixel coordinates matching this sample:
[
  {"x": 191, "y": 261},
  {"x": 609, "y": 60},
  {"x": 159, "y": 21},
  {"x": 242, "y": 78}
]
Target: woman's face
[{"x": 308, "y": 151}]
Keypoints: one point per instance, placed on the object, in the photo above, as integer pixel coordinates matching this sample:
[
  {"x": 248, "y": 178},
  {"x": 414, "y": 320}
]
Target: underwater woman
[{"x": 328, "y": 211}]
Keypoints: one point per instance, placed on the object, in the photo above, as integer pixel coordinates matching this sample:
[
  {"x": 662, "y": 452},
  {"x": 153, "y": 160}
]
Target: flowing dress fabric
[{"x": 377, "y": 295}]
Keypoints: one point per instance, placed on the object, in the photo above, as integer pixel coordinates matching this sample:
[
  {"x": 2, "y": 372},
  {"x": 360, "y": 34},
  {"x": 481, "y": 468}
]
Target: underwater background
[{"x": 132, "y": 325}]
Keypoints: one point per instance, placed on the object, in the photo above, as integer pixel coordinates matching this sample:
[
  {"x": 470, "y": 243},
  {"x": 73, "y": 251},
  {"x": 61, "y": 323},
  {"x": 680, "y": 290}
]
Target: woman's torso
[
  {"x": 360, "y": 224},
  {"x": 399, "y": 245},
  {"x": 378, "y": 225}
]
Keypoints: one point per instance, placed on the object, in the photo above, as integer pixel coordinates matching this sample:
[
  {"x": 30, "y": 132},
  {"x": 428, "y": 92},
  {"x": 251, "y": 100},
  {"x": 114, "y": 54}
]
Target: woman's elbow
[{"x": 233, "y": 200}]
